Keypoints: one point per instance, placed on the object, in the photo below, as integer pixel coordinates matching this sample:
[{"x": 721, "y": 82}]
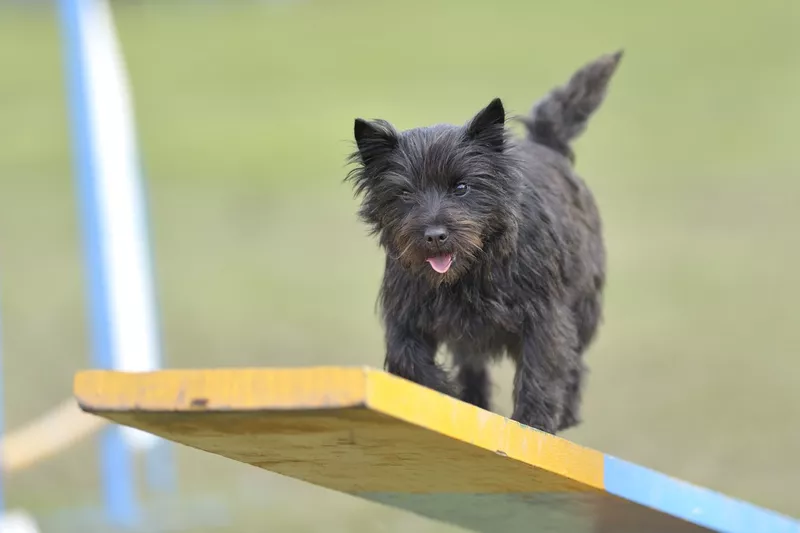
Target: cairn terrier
[{"x": 493, "y": 246}]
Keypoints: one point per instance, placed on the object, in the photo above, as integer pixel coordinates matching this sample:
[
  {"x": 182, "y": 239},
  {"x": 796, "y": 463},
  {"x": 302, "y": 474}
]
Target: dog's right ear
[{"x": 374, "y": 139}]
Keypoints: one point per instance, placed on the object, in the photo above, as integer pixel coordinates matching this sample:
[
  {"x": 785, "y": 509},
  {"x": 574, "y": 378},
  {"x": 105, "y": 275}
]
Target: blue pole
[
  {"x": 160, "y": 468},
  {"x": 116, "y": 463}
]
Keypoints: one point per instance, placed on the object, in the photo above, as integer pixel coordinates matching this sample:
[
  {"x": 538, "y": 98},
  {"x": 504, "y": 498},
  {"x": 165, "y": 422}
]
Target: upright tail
[{"x": 562, "y": 115}]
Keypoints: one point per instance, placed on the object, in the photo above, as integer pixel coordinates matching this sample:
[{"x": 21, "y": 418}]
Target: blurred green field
[{"x": 245, "y": 115}]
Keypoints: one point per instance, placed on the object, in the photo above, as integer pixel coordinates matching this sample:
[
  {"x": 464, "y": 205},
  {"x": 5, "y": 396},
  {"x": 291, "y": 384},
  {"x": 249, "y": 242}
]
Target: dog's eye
[
  {"x": 405, "y": 196},
  {"x": 460, "y": 189}
]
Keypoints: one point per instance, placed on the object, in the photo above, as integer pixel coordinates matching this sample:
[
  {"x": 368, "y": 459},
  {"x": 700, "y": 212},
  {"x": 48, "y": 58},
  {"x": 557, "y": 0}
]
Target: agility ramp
[{"x": 367, "y": 433}]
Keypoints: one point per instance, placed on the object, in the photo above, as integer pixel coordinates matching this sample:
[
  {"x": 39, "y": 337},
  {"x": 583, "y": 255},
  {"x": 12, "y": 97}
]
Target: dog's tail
[{"x": 562, "y": 115}]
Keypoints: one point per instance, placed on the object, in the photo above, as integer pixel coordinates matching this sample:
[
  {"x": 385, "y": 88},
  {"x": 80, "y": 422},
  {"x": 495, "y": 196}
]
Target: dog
[{"x": 493, "y": 246}]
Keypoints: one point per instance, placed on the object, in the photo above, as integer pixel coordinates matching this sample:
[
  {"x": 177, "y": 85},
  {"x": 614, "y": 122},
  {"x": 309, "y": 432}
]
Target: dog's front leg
[
  {"x": 544, "y": 360},
  {"x": 411, "y": 354}
]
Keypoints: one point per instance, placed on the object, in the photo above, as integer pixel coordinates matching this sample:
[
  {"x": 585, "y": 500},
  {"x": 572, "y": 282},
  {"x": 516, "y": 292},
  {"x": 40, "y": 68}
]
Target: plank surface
[{"x": 367, "y": 433}]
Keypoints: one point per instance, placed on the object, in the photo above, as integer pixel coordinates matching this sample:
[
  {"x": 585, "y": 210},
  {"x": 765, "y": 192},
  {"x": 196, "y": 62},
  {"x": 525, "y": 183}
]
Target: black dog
[{"x": 493, "y": 245}]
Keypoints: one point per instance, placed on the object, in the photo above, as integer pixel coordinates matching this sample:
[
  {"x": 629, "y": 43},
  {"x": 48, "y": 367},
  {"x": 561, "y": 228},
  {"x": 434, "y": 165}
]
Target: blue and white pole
[{"x": 121, "y": 293}]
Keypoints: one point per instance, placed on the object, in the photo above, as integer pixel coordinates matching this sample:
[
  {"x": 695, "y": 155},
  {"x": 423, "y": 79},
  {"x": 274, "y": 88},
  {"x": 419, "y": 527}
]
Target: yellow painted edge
[
  {"x": 220, "y": 389},
  {"x": 438, "y": 412}
]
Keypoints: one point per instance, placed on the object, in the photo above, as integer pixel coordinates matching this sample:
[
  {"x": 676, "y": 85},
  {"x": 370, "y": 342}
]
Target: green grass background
[{"x": 245, "y": 116}]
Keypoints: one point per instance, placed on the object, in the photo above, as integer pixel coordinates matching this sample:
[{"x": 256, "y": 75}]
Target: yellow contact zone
[{"x": 421, "y": 406}]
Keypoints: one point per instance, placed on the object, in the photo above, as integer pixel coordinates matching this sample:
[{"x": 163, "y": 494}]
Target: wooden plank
[{"x": 370, "y": 434}]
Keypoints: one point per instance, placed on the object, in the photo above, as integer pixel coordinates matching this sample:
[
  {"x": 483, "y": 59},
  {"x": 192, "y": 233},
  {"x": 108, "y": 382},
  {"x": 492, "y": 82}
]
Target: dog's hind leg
[
  {"x": 587, "y": 312},
  {"x": 472, "y": 378}
]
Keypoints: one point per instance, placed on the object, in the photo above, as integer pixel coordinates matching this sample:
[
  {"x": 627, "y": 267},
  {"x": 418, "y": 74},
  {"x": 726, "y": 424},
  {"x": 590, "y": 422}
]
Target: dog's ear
[
  {"x": 374, "y": 139},
  {"x": 488, "y": 126}
]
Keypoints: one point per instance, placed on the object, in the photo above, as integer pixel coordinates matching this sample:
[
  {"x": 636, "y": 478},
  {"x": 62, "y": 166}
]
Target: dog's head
[{"x": 440, "y": 198}]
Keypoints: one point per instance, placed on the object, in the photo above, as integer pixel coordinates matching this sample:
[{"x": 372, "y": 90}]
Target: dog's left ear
[{"x": 488, "y": 126}]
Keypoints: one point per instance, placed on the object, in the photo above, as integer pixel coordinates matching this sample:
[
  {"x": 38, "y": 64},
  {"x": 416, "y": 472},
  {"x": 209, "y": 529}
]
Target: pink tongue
[{"x": 441, "y": 264}]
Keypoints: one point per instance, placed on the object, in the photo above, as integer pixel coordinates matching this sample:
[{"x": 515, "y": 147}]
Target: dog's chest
[{"x": 484, "y": 320}]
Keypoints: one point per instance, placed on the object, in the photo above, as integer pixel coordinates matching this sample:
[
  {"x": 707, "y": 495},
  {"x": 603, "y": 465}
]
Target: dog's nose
[{"x": 435, "y": 235}]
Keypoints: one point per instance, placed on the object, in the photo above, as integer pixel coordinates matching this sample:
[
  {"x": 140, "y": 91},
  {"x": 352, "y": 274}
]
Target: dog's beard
[{"x": 444, "y": 263}]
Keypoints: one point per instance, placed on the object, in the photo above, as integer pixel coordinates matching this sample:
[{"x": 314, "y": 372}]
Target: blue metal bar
[
  {"x": 160, "y": 470},
  {"x": 115, "y": 458}
]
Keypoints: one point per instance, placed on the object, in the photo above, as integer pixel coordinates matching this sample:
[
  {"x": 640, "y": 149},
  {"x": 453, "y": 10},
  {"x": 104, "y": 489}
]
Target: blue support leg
[{"x": 115, "y": 457}]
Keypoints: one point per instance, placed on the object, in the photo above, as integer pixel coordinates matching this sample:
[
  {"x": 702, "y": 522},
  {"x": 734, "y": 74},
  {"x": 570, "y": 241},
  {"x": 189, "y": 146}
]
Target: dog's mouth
[{"x": 441, "y": 263}]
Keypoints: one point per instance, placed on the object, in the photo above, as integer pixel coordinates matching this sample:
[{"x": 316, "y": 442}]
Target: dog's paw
[
  {"x": 537, "y": 420},
  {"x": 444, "y": 387},
  {"x": 474, "y": 398},
  {"x": 569, "y": 420}
]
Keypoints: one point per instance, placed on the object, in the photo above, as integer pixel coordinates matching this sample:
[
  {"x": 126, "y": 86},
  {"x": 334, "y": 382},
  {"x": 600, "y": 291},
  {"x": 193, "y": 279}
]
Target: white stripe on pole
[{"x": 134, "y": 344}]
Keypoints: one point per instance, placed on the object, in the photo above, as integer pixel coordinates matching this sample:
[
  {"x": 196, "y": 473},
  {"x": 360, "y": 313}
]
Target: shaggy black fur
[{"x": 517, "y": 236}]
